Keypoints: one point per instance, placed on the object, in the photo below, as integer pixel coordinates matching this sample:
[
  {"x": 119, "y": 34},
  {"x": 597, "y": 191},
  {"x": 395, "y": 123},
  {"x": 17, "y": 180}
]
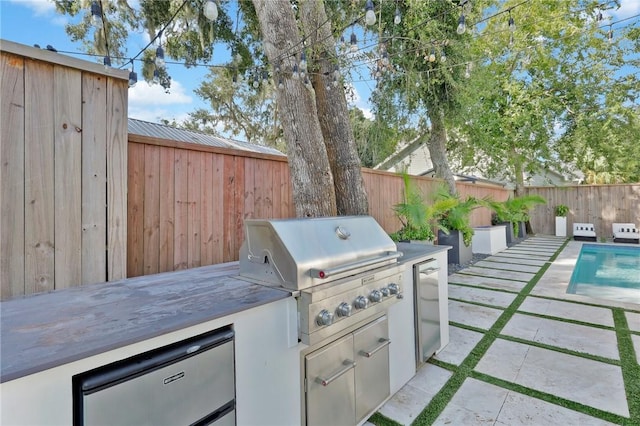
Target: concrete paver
[
  {"x": 636, "y": 345},
  {"x": 409, "y": 401},
  {"x": 567, "y": 376},
  {"x": 568, "y": 310},
  {"x": 473, "y": 315},
  {"x": 510, "y": 266},
  {"x": 481, "y": 295},
  {"x": 487, "y": 282},
  {"x": 633, "y": 320},
  {"x": 523, "y": 261},
  {"x": 461, "y": 343},
  {"x": 496, "y": 273},
  {"x": 579, "y": 338}
]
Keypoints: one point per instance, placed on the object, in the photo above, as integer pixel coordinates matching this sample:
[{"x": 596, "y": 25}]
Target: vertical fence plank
[
  {"x": 151, "y": 211},
  {"x": 68, "y": 176},
  {"x": 117, "y": 165},
  {"x": 217, "y": 208},
  {"x": 181, "y": 224},
  {"x": 194, "y": 211},
  {"x": 167, "y": 209},
  {"x": 94, "y": 178},
  {"x": 12, "y": 110},
  {"x": 135, "y": 218},
  {"x": 206, "y": 197},
  {"x": 39, "y": 179},
  {"x": 238, "y": 202}
]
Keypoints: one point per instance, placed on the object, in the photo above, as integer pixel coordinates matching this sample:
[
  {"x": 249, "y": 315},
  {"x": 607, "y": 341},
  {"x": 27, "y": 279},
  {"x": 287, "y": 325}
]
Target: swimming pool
[{"x": 607, "y": 271}]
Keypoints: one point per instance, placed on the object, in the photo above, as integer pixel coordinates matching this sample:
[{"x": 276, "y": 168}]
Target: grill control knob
[
  {"x": 375, "y": 296},
  {"x": 384, "y": 291},
  {"x": 324, "y": 318},
  {"x": 361, "y": 302},
  {"x": 393, "y": 288},
  {"x": 344, "y": 309}
]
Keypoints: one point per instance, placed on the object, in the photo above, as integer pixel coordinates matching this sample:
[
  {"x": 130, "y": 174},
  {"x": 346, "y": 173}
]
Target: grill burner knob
[
  {"x": 324, "y": 318},
  {"x": 375, "y": 296},
  {"x": 344, "y": 310},
  {"x": 361, "y": 302},
  {"x": 385, "y": 291},
  {"x": 393, "y": 288}
]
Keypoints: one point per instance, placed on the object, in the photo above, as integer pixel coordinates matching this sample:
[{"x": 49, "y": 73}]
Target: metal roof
[{"x": 161, "y": 131}]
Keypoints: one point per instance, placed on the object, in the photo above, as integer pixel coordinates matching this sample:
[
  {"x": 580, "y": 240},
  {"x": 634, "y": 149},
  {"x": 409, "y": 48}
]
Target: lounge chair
[
  {"x": 584, "y": 232},
  {"x": 626, "y": 233}
]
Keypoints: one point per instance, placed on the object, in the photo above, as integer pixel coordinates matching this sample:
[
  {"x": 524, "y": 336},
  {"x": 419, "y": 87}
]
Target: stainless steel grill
[{"x": 343, "y": 269}]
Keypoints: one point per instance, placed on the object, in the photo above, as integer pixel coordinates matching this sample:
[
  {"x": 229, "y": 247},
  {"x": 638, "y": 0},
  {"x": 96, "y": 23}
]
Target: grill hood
[{"x": 301, "y": 253}]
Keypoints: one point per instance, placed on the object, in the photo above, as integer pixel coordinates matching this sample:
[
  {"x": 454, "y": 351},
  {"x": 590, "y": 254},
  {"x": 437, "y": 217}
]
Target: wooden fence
[
  {"x": 187, "y": 202},
  {"x": 62, "y": 171},
  {"x": 601, "y": 205}
]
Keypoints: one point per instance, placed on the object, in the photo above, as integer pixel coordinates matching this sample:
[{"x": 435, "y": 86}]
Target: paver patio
[{"x": 524, "y": 352}]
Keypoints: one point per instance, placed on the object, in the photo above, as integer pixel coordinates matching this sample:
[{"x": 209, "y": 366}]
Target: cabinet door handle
[
  {"x": 430, "y": 270},
  {"x": 383, "y": 343},
  {"x": 348, "y": 366}
]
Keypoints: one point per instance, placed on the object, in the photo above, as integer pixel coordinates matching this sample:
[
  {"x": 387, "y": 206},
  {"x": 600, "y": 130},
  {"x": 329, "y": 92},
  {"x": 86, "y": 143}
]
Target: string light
[
  {"x": 354, "y": 42},
  {"x": 96, "y": 15},
  {"x": 370, "y": 15},
  {"x": 106, "y": 61},
  {"x": 512, "y": 22},
  {"x": 156, "y": 76},
  {"x": 610, "y": 35},
  {"x": 133, "y": 76},
  {"x": 397, "y": 18},
  {"x": 461, "y": 25},
  {"x": 295, "y": 74},
  {"x": 303, "y": 63},
  {"x": 210, "y": 10}
]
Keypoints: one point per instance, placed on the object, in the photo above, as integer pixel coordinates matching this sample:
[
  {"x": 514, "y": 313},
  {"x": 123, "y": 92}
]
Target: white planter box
[
  {"x": 561, "y": 226},
  {"x": 489, "y": 239}
]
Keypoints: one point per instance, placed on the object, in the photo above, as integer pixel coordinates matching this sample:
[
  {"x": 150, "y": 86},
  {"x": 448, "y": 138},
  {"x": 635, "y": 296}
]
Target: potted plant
[
  {"x": 515, "y": 211},
  {"x": 452, "y": 215},
  {"x": 561, "y": 220}
]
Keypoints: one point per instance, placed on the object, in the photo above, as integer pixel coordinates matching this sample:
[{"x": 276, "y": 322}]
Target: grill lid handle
[{"x": 326, "y": 273}]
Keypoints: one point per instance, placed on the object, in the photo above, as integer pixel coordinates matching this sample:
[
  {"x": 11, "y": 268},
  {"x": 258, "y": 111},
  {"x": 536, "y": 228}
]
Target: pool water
[{"x": 607, "y": 271}]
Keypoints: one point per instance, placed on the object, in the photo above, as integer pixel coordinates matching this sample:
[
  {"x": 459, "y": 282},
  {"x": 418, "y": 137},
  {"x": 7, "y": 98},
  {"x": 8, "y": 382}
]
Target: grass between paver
[{"x": 628, "y": 363}]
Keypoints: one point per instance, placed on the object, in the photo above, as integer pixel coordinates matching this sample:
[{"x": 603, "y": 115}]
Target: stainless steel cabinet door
[
  {"x": 371, "y": 345},
  {"x": 427, "y": 308},
  {"x": 330, "y": 384}
]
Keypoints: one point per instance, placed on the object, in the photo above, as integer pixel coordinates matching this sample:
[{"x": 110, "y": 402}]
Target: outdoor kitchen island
[{"x": 47, "y": 339}]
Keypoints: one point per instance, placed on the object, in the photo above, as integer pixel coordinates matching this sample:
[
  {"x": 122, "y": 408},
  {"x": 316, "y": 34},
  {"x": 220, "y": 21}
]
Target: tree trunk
[
  {"x": 518, "y": 173},
  {"x": 333, "y": 113},
  {"x": 437, "y": 145},
  {"x": 313, "y": 188}
]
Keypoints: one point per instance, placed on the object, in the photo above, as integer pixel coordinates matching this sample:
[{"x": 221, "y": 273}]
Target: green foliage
[
  {"x": 414, "y": 215},
  {"x": 516, "y": 209},
  {"x": 453, "y": 213},
  {"x": 562, "y": 210}
]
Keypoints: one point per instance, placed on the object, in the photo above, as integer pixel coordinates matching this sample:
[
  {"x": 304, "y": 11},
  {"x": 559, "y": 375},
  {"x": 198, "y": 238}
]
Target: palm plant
[
  {"x": 516, "y": 209},
  {"x": 414, "y": 215},
  {"x": 453, "y": 213}
]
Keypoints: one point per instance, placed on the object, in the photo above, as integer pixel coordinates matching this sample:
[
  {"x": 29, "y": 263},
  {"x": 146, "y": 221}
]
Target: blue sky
[{"x": 32, "y": 22}]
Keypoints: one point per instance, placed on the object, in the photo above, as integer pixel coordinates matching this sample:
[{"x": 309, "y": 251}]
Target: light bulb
[
  {"x": 467, "y": 72},
  {"x": 295, "y": 74},
  {"x": 432, "y": 56},
  {"x": 210, "y": 10},
  {"x": 280, "y": 83},
  {"x": 160, "y": 57},
  {"x": 256, "y": 84},
  {"x": 156, "y": 76},
  {"x": 335, "y": 82},
  {"x": 106, "y": 61},
  {"x": 385, "y": 59},
  {"x": 461, "y": 25},
  {"x": 397, "y": 18},
  {"x": 443, "y": 58},
  {"x": 512, "y": 24},
  {"x": 133, "y": 78},
  {"x": 354, "y": 42},
  {"x": 303, "y": 61},
  {"x": 96, "y": 15},
  {"x": 370, "y": 15}
]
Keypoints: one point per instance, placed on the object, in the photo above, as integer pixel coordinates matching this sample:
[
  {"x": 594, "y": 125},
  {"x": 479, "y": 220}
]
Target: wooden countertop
[{"x": 46, "y": 330}]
